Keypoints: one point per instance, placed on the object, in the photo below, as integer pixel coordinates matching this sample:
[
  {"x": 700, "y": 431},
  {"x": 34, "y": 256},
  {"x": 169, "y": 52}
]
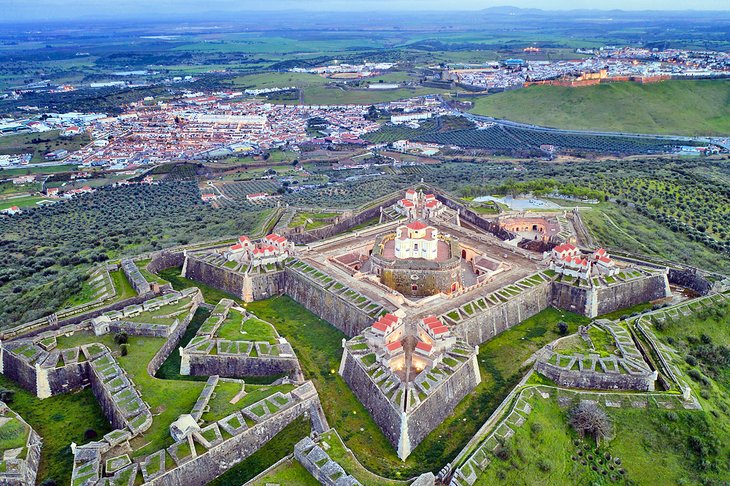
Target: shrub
[
  {"x": 90, "y": 434},
  {"x": 124, "y": 349},
  {"x": 588, "y": 418},
  {"x": 562, "y": 328},
  {"x": 691, "y": 360},
  {"x": 121, "y": 338}
]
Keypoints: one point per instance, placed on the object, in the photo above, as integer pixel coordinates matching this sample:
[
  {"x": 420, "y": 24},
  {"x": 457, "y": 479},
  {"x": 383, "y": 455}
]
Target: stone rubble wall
[
  {"x": 569, "y": 297},
  {"x": 690, "y": 279}
]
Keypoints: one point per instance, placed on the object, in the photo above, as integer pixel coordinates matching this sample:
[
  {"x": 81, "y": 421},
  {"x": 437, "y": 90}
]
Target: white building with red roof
[
  {"x": 416, "y": 240},
  {"x": 270, "y": 250},
  {"x": 258, "y": 196},
  {"x": 12, "y": 211},
  {"x": 604, "y": 264},
  {"x": 564, "y": 250}
]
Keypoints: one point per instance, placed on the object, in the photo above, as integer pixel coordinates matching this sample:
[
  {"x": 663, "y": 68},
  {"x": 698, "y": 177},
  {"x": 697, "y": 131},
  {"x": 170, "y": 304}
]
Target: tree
[
  {"x": 588, "y": 418},
  {"x": 562, "y": 328}
]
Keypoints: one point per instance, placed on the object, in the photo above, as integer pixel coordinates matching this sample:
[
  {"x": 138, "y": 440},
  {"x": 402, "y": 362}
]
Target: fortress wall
[
  {"x": 340, "y": 227},
  {"x": 474, "y": 219},
  {"x": 597, "y": 381},
  {"x": 19, "y": 371},
  {"x": 441, "y": 402},
  {"x": 216, "y": 277},
  {"x": 104, "y": 397},
  {"x": 219, "y": 459},
  {"x": 690, "y": 279},
  {"x": 633, "y": 292},
  {"x": 174, "y": 339},
  {"x": 381, "y": 410},
  {"x": 69, "y": 377},
  {"x": 342, "y": 314},
  {"x": 240, "y": 366},
  {"x": 488, "y": 323},
  {"x": 165, "y": 259},
  {"x": 569, "y": 297},
  {"x": 266, "y": 285}
]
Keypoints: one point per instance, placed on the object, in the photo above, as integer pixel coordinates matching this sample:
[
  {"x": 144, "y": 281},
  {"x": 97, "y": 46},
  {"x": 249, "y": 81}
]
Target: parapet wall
[
  {"x": 381, "y": 409},
  {"x": 172, "y": 341},
  {"x": 486, "y": 324},
  {"x": 569, "y": 297},
  {"x": 344, "y": 315}
]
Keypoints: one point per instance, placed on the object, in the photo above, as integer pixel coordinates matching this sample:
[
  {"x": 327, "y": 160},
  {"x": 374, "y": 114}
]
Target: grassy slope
[
  {"x": 639, "y": 234},
  {"x": 672, "y": 107}
]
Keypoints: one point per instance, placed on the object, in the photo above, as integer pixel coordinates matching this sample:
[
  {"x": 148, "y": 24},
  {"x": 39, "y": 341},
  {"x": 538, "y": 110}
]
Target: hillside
[{"x": 672, "y": 107}]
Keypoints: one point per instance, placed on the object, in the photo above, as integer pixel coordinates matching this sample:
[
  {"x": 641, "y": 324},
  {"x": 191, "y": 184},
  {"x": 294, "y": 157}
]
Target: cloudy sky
[{"x": 35, "y": 9}]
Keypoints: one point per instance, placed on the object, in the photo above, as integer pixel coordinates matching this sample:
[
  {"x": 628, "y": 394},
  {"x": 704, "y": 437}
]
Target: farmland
[{"x": 39, "y": 144}]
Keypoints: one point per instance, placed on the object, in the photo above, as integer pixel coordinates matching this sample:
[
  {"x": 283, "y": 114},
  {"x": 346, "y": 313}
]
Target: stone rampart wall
[
  {"x": 690, "y": 279},
  {"x": 217, "y": 460},
  {"x": 569, "y": 297},
  {"x": 633, "y": 292},
  {"x": 488, "y": 323},
  {"x": 441, "y": 402},
  {"x": 174, "y": 338},
  {"x": 67, "y": 378},
  {"x": 334, "y": 309},
  {"x": 165, "y": 259},
  {"x": 341, "y": 227},
  {"x": 219, "y": 278},
  {"x": 240, "y": 366},
  {"x": 19, "y": 371},
  {"x": 381, "y": 410}
]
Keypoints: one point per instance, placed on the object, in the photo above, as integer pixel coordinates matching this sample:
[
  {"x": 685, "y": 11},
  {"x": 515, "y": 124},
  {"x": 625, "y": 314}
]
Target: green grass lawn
[
  {"x": 47, "y": 169},
  {"x": 151, "y": 277},
  {"x": 288, "y": 472},
  {"x": 59, "y": 420},
  {"x": 121, "y": 283},
  {"x": 156, "y": 392},
  {"x": 13, "y": 434},
  {"x": 680, "y": 107},
  {"x": 310, "y": 220}
]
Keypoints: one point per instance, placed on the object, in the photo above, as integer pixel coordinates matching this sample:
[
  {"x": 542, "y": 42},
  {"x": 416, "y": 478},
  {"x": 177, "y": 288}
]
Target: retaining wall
[
  {"x": 239, "y": 366},
  {"x": 633, "y": 292}
]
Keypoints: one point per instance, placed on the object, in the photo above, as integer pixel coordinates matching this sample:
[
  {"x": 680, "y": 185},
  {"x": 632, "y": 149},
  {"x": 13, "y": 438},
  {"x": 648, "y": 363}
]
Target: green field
[
  {"x": 42, "y": 169},
  {"x": 678, "y": 107},
  {"x": 21, "y": 202}
]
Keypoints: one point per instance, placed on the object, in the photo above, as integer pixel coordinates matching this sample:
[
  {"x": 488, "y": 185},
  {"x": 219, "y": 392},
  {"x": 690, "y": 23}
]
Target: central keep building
[{"x": 417, "y": 261}]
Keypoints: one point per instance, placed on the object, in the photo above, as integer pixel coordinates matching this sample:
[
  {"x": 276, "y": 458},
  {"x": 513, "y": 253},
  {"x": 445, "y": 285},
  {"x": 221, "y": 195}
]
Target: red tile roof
[
  {"x": 424, "y": 346},
  {"x": 394, "y": 345},
  {"x": 416, "y": 225},
  {"x": 440, "y": 330}
]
